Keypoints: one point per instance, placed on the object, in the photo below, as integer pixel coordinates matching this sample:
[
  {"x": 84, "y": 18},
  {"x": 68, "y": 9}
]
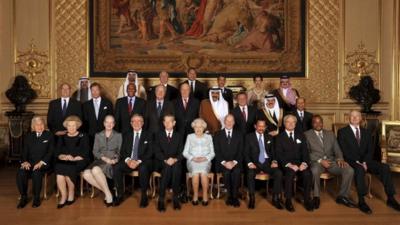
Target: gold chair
[
  {"x": 81, "y": 188},
  {"x": 210, "y": 177},
  {"x": 325, "y": 176},
  {"x": 154, "y": 176},
  {"x": 263, "y": 177}
]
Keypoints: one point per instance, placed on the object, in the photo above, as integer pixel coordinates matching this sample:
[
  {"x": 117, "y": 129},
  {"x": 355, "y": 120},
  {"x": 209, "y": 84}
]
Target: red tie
[
  {"x": 244, "y": 113},
  {"x": 358, "y": 136},
  {"x": 130, "y": 106},
  {"x": 185, "y": 103},
  {"x": 169, "y": 136}
]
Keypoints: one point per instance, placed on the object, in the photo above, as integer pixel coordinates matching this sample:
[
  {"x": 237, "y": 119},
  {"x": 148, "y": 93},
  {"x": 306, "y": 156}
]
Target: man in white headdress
[
  {"x": 132, "y": 77},
  {"x": 83, "y": 94},
  {"x": 214, "y": 110},
  {"x": 272, "y": 113}
]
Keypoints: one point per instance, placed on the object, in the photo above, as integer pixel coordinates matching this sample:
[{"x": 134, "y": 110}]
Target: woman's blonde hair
[
  {"x": 200, "y": 121},
  {"x": 36, "y": 119},
  {"x": 75, "y": 119}
]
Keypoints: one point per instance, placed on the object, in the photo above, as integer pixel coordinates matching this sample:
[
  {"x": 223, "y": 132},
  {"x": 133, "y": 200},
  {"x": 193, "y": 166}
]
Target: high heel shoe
[
  {"x": 204, "y": 203},
  {"x": 60, "y": 206},
  {"x": 195, "y": 202},
  {"x": 68, "y": 202},
  {"x": 108, "y": 204}
]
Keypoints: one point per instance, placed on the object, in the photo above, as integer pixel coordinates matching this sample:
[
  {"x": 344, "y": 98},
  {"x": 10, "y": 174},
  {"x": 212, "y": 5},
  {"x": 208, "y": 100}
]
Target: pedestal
[
  {"x": 18, "y": 125},
  {"x": 373, "y": 125}
]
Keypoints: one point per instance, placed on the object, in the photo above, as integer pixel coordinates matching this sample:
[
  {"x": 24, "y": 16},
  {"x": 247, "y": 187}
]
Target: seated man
[
  {"x": 228, "y": 147},
  {"x": 36, "y": 158},
  {"x": 292, "y": 152},
  {"x": 214, "y": 110},
  {"x": 356, "y": 143},
  {"x": 326, "y": 155},
  {"x": 135, "y": 155},
  {"x": 168, "y": 148}
]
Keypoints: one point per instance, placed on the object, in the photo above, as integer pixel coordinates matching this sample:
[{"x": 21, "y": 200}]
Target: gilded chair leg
[
  {"x": 218, "y": 187},
  {"x": 369, "y": 186},
  {"x": 81, "y": 186},
  {"x": 187, "y": 185},
  {"x": 45, "y": 187},
  {"x": 266, "y": 188},
  {"x": 92, "y": 194},
  {"x": 211, "y": 188},
  {"x": 324, "y": 184},
  {"x": 153, "y": 186}
]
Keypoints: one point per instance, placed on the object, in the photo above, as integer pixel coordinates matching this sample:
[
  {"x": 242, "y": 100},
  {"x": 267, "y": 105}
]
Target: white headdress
[
  {"x": 127, "y": 82},
  {"x": 276, "y": 107},
  {"x": 220, "y": 107},
  {"x": 89, "y": 94}
]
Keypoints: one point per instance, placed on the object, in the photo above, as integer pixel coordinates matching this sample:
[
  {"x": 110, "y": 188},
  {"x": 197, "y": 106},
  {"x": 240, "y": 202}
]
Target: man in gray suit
[{"x": 326, "y": 155}]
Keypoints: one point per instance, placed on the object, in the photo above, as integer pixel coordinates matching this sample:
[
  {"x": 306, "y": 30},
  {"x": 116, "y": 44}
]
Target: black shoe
[
  {"x": 204, "y": 203},
  {"x": 144, "y": 202},
  {"x": 22, "y": 202},
  {"x": 195, "y": 202},
  {"x": 117, "y": 201},
  {"x": 60, "y": 206},
  {"x": 36, "y": 203},
  {"x": 68, "y": 202},
  {"x": 345, "y": 201},
  {"x": 289, "y": 206},
  {"x": 309, "y": 205},
  {"x": 108, "y": 204},
  {"x": 316, "y": 202},
  {"x": 277, "y": 203},
  {"x": 364, "y": 208},
  {"x": 235, "y": 202},
  {"x": 392, "y": 203},
  {"x": 183, "y": 198},
  {"x": 161, "y": 206},
  {"x": 177, "y": 204},
  {"x": 228, "y": 201},
  {"x": 252, "y": 202}
]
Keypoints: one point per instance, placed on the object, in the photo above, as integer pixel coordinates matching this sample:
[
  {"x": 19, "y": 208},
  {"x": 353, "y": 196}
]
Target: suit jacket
[
  {"x": 306, "y": 124},
  {"x": 273, "y": 124},
  {"x": 252, "y": 149},
  {"x": 55, "y": 118},
  {"x": 318, "y": 150},
  {"x": 352, "y": 152},
  {"x": 289, "y": 151},
  {"x": 145, "y": 151},
  {"x": 38, "y": 149},
  {"x": 164, "y": 149},
  {"x": 154, "y": 123},
  {"x": 282, "y": 103},
  {"x": 245, "y": 126},
  {"x": 225, "y": 151},
  {"x": 170, "y": 94},
  {"x": 228, "y": 96},
  {"x": 90, "y": 123},
  {"x": 184, "y": 118},
  {"x": 122, "y": 116},
  {"x": 200, "y": 90}
]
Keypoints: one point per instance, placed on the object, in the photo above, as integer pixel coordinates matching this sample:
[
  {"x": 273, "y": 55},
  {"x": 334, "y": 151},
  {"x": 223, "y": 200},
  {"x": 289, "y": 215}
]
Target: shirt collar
[
  {"x": 98, "y": 99},
  {"x": 135, "y": 132},
  {"x": 354, "y": 127},
  {"x": 258, "y": 135},
  {"x": 288, "y": 132}
]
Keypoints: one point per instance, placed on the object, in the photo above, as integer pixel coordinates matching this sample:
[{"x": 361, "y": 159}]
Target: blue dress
[{"x": 199, "y": 147}]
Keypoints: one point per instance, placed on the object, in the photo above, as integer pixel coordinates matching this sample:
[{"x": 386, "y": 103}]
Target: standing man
[
  {"x": 245, "y": 115},
  {"x": 356, "y": 143},
  {"x": 214, "y": 110},
  {"x": 260, "y": 157},
  {"x": 226, "y": 92},
  {"x": 171, "y": 92},
  {"x": 303, "y": 117},
  {"x": 228, "y": 147},
  {"x": 286, "y": 94},
  {"x": 293, "y": 155},
  {"x": 127, "y": 106},
  {"x": 186, "y": 110},
  {"x": 326, "y": 155},
  {"x": 61, "y": 108},
  {"x": 82, "y": 94},
  {"x": 198, "y": 89}
]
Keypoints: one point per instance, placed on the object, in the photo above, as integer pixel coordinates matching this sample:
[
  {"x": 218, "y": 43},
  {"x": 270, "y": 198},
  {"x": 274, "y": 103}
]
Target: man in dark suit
[
  {"x": 186, "y": 110},
  {"x": 198, "y": 89},
  {"x": 286, "y": 94},
  {"x": 228, "y": 147},
  {"x": 136, "y": 154},
  {"x": 156, "y": 110},
  {"x": 171, "y": 92},
  {"x": 260, "y": 157},
  {"x": 356, "y": 144},
  {"x": 61, "y": 108},
  {"x": 168, "y": 148},
  {"x": 227, "y": 93},
  {"x": 245, "y": 115},
  {"x": 293, "y": 156},
  {"x": 36, "y": 158},
  {"x": 127, "y": 106},
  {"x": 304, "y": 118},
  {"x": 94, "y": 112}
]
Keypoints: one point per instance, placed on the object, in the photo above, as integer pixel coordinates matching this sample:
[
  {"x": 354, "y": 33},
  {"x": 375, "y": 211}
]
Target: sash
[{"x": 270, "y": 119}]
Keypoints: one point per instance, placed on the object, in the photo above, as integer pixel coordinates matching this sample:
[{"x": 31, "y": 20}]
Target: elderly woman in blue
[{"x": 199, "y": 151}]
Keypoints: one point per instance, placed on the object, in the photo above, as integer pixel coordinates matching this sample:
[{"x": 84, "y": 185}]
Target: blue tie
[{"x": 261, "y": 156}]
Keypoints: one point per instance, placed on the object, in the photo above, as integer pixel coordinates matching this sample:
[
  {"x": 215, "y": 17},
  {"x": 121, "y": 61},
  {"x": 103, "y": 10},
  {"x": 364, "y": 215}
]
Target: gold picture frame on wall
[
  {"x": 237, "y": 37},
  {"x": 391, "y": 144}
]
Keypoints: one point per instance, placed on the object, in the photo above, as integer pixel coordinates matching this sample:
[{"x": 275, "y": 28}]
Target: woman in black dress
[{"x": 72, "y": 156}]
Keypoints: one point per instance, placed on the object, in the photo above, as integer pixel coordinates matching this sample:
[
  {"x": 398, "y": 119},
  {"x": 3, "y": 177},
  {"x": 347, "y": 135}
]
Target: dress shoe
[
  {"x": 228, "y": 201},
  {"x": 235, "y": 202},
  {"x": 195, "y": 202},
  {"x": 364, "y": 208},
  {"x": 277, "y": 203},
  {"x": 36, "y": 202},
  {"x": 177, "y": 204},
  {"x": 22, "y": 202},
  {"x": 392, "y": 203},
  {"x": 144, "y": 202},
  {"x": 161, "y": 206},
  {"x": 204, "y": 203},
  {"x": 183, "y": 198},
  {"x": 345, "y": 201},
  {"x": 316, "y": 202},
  {"x": 68, "y": 202},
  {"x": 289, "y": 206},
  {"x": 309, "y": 205},
  {"x": 252, "y": 202},
  {"x": 117, "y": 201}
]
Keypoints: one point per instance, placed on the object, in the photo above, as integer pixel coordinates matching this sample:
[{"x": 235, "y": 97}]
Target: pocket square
[
  {"x": 298, "y": 141},
  {"x": 268, "y": 142},
  {"x": 45, "y": 141},
  {"x": 145, "y": 142},
  {"x": 105, "y": 107}
]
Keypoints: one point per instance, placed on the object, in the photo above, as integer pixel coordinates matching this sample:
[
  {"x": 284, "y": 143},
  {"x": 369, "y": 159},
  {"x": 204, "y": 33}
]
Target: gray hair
[
  {"x": 289, "y": 116},
  {"x": 37, "y": 119},
  {"x": 199, "y": 121}
]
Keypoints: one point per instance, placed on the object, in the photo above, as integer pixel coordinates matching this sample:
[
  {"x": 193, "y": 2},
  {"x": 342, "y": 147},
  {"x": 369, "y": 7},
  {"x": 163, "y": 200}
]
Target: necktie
[
  {"x": 358, "y": 136},
  {"x": 185, "y": 101},
  {"x": 130, "y": 106},
  {"x": 159, "y": 109},
  {"x": 38, "y": 135},
  {"x": 261, "y": 155},
  {"x": 96, "y": 108},
  {"x": 291, "y": 136},
  {"x": 191, "y": 86},
  {"x": 64, "y": 108},
  {"x": 169, "y": 136},
  {"x": 135, "y": 150},
  {"x": 229, "y": 137},
  {"x": 321, "y": 137},
  {"x": 301, "y": 116},
  {"x": 244, "y": 113}
]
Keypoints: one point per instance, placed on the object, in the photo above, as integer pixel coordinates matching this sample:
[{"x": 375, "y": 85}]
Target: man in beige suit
[{"x": 326, "y": 155}]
